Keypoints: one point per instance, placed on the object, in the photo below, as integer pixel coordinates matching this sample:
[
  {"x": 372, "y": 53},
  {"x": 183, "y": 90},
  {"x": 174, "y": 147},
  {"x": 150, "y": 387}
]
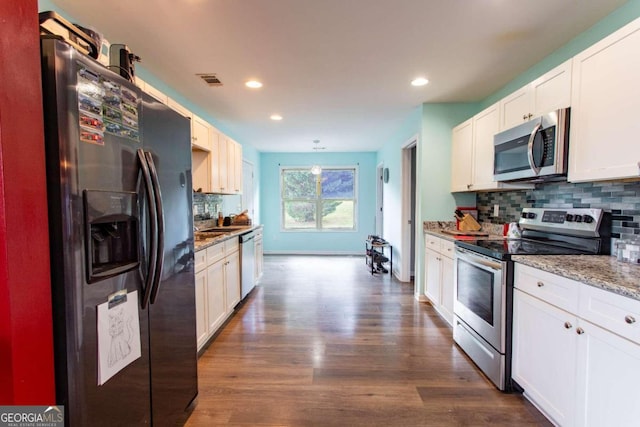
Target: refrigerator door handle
[
  {"x": 153, "y": 253},
  {"x": 160, "y": 221}
]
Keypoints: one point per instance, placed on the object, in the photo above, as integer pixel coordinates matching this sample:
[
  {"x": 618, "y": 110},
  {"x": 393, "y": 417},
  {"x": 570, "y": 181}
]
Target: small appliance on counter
[{"x": 513, "y": 232}]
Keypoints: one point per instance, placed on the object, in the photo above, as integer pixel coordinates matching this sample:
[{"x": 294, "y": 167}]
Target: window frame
[{"x": 318, "y": 201}]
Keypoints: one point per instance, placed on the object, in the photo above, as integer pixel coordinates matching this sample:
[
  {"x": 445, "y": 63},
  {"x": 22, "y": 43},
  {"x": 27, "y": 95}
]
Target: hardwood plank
[{"x": 321, "y": 342}]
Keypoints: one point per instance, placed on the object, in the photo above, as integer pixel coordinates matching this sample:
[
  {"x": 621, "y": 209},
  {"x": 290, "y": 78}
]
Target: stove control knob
[
  {"x": 531, "y": 215},
  {"x": 523, "y": 215},
  {"x": 569, "y": 217},
  {"x": 588, "y": 219},
  {"x": 578, "y": 218}
]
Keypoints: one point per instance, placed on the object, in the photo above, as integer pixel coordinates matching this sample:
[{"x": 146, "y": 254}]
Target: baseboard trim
[
  {"x": 421, "y": 298},
  {"x": 329, "y": 253}
]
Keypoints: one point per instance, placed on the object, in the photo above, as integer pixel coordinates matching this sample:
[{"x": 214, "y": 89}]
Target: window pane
[
  {"x": 338, "y": 183},
  {"x": 338, "y": 214},
  {"x": 298, "y": 184},
  {"x": 299, "y": 214}
]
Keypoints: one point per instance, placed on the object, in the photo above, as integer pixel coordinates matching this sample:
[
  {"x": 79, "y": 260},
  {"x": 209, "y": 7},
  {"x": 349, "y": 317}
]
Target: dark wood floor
[{"x": 320, "y": 342}]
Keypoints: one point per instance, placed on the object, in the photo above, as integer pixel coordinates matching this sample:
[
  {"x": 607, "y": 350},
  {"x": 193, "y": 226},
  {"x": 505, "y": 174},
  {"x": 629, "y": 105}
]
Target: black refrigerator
[{"x": 121, "y": 232}]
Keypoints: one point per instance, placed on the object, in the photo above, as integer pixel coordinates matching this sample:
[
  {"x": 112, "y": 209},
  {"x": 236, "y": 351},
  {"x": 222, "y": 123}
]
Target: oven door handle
[{"x": 478, "y": 260}]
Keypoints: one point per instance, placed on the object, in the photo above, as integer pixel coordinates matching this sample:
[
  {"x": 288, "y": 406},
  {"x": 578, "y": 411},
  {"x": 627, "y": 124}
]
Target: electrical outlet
[
  {"x": 496, "y": 210},
  {"x": 195, "y": 209}
]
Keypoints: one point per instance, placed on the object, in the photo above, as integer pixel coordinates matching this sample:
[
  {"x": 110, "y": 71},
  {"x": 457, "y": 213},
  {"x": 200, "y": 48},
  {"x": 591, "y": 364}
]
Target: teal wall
[
  {"x": 618, "y": 18},
  {"x": 344, "y": 242},
  {"x": 390, "y": 156},
  {"x": 436, "y": 201}
]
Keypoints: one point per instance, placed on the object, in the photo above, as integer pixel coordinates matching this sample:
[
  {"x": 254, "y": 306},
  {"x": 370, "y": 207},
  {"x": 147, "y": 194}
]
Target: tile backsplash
[
  {"x": 622, "y": 199},
  {"x": 206, "y": 205}
]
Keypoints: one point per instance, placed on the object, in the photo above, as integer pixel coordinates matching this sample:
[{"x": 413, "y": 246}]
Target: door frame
[
  {"x": 407, "y": 218},
  {"x": 379, "y": 218},
  {"x": 250, "y": 182}
]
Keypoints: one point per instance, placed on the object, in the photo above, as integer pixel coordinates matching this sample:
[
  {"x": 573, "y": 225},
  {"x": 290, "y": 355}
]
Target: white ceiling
[{"x": 336, "y": 70}]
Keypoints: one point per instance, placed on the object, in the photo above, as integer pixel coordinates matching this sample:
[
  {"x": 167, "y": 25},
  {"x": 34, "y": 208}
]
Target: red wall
[{"x": 26, "y": 341}]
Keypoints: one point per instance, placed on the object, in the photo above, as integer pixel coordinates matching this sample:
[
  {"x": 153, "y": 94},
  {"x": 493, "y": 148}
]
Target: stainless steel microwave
[{"x": 534, "y": 151}]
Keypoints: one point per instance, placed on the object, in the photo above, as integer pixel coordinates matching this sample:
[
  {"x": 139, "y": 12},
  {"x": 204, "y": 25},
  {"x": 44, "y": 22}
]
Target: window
[{"x": 318, "y": 202}]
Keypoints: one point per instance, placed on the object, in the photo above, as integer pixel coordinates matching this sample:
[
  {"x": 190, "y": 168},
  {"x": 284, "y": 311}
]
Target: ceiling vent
[{"x": 210, "y": 79}]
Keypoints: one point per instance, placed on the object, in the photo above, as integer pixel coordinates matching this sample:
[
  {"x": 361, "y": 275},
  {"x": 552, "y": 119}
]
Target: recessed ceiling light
[
  {"x": 420, "y": 81},
  {"x": 276, "y": 117},
  {"x": 253, "y": 84}
]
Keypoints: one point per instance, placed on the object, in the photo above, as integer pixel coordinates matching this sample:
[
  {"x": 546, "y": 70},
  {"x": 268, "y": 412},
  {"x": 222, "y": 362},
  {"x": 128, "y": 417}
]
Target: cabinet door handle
[
  {"x": 540, "y": 284},
  {"x": 579, "y": 331},
  {"x": 629, "y": 319},
  {"x": 568, "y": 325},
  {"x": 524, "y": 117}
]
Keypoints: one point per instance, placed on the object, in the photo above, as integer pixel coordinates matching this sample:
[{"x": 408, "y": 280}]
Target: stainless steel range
[{"x": 483, "y": 277}]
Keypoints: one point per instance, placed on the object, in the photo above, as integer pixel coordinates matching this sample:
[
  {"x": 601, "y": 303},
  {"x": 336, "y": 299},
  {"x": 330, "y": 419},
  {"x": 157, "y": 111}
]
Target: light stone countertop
[
  {"x": 199, "y": 245},
  {"x": 601, "y": 271},
  {"x": 435, "y": 228}
]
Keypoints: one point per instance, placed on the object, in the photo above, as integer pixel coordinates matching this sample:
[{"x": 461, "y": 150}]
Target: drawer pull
[
  {"x": 540, "y": 284},
  {"x": 579, "y": 331},
  {"x": 568, "y": 325},
  {"x": 629, "y": 319}
]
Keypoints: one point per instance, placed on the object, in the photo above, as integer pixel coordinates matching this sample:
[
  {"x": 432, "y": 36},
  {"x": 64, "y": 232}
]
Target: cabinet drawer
[
  {"x": 447, "y": 248},
  {"x": 432, "y": 242},
  {"x": 616, "y": 313},
  {"x": 554, "y": 289},
  {"x": 231, "y": 246},
  {"x": 215, "y": 253},
  {"x": 200, "y": 260}
]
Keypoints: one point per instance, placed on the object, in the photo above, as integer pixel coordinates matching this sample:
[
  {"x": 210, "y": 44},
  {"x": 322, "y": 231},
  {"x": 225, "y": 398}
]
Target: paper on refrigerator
[{"x": 118, "y": 334}]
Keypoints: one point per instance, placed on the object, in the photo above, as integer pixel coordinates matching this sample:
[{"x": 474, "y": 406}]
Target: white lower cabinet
[
  {"x": 202, "y": 330},
  {"x": 544, "y": 356},
  {"x": 577, "y": 372},
  {"x": 217, "y": 287},
  {"x": 439, "y": 275},
  {"x": 608, "y": 378},
  {"x": 216, "y": 306},
  {"x": 259, "y": 266},
  {"x": 232, "y": 280}
]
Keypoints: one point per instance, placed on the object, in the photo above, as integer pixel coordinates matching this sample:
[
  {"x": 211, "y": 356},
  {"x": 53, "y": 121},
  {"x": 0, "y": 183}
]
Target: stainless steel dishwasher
[{"x": 247, "y": 261}]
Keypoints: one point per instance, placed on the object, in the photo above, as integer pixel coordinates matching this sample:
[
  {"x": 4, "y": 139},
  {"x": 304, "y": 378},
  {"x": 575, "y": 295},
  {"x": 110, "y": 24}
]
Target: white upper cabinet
[
  {"x": 516, "y": 108},
  {"x": 200, "y": 133},
  {"x": 549, "y": 92},
  {"x": 462, "y": 156},
  {"x": 605, "y": 126},
  {"x": 472, "y": 154},
  {"x": 485, "y": 126}
]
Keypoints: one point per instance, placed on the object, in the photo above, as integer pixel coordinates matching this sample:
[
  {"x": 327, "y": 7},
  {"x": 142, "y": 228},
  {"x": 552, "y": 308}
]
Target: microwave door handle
[{"x": 532, "y": 137}]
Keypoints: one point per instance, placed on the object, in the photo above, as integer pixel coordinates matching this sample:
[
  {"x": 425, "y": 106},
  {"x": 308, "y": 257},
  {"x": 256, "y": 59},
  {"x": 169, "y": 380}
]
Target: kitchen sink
[
  {"x": 227, "y": 228},
  {"x": 204, "y": 235}
]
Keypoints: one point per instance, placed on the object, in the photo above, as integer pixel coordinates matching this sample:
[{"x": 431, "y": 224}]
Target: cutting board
[{"x": 465, "y": 233}]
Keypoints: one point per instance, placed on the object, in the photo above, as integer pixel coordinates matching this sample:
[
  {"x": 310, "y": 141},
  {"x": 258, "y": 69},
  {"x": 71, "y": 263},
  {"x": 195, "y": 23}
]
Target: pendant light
[{"x": 316, "y": 169}]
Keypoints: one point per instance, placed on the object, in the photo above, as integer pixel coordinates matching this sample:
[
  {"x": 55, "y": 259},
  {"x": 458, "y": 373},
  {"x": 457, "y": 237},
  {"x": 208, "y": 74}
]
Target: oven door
[{"x": 480, "y": 296}]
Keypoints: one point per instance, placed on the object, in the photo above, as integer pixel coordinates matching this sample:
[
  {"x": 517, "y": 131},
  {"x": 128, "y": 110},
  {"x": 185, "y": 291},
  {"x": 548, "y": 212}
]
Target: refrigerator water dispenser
[{"x": 111, "y": 242}]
